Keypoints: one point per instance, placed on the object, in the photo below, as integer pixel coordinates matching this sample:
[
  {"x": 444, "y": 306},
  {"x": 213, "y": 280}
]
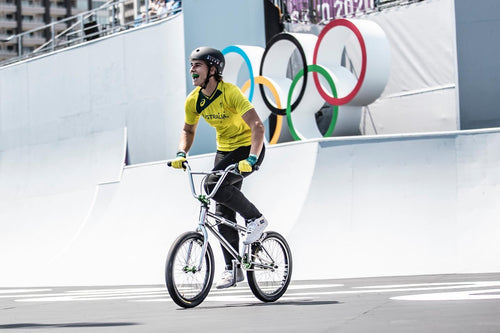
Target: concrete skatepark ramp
[
  {"x": 46, "y": 194},
  {"x": 351, "y": 207},
  {"x": 72, "y": 213}
]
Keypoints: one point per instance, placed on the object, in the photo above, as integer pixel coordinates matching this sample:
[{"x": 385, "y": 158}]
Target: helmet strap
[{"x": 204, "y": 85}]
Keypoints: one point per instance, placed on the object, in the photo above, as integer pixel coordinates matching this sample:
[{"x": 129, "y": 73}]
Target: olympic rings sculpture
[{"x": 322, "y": 60}]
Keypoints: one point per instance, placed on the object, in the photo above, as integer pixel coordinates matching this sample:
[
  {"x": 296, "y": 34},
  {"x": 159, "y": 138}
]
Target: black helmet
[{"x": 212, "y": 56}]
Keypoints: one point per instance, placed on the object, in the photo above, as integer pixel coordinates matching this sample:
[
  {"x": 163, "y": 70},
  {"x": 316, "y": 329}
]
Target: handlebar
[
  {"x": 185, "y": 164},
  {"x": 232, "y": 168}
]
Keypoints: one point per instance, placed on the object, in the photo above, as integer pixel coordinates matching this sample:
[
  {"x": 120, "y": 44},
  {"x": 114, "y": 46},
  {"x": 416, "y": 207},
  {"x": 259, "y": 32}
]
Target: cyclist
[{"x": 240, "y": 139}]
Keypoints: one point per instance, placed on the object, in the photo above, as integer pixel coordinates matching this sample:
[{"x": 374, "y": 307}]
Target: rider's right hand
[{"x": 178, "y": 162}]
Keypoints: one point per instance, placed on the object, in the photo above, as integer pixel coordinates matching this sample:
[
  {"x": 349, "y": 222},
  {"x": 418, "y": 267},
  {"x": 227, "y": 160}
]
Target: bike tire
[
  {"x": 269, "y": 284},
  {"x": 187, "y": 286}
]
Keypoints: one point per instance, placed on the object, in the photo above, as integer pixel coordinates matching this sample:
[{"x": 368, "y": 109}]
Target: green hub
[{"x": 188, "y": 269}]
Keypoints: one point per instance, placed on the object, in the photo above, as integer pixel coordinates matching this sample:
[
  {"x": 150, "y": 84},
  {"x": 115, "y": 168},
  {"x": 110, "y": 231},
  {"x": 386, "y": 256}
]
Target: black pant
[{"x": 229, "y": 197}]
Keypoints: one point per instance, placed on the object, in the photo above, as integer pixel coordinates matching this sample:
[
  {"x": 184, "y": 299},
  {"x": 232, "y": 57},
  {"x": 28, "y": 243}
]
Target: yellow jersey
[{"x": 223, "y": 110}]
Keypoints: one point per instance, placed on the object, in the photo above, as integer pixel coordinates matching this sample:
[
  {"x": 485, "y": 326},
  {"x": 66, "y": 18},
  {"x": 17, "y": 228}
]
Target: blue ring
[{"x": 242, "y": 53}]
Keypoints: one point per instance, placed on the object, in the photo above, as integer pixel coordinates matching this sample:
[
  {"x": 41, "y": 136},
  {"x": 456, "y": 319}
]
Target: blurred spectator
[
  {"x": 153, "y": 6},
  {"x": 162, "y": 9},
  {"x": 295, "y": 16},
  {"x": 159, "y": 9}
]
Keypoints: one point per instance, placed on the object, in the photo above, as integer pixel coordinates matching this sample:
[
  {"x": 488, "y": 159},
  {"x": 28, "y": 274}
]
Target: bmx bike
[{"x": 190, "y": 266}]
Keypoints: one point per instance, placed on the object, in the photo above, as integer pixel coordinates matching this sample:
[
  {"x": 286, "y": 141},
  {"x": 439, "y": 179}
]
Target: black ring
[{"x": 293, "y": 40}]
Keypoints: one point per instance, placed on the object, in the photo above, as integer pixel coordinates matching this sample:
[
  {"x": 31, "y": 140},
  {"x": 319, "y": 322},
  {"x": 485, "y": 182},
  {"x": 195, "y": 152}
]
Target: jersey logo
[{"x": 202, "y": 103}]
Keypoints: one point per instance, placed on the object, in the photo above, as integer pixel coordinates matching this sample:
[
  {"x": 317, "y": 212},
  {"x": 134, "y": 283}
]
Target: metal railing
[{"x": 112, "y": 17}]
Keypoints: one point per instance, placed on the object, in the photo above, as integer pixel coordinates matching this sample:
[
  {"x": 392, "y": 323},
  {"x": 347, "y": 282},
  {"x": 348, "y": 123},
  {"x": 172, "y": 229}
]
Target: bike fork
[
  {"x": 246, "y": 256},
  {"x": 201, "y": 228}
]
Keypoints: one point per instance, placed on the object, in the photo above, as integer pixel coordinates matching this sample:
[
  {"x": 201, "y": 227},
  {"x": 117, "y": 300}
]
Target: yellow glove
[
  {"x": 179, "y": 160},
  {"x": 247, "y": 165}
]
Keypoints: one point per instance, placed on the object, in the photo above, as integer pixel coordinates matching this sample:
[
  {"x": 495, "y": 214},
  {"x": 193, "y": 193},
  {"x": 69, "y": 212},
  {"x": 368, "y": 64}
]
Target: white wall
[
  {"x": 351, "y": 207},
  {"x": 134, "y": 79},
  {"x": 46, "y": 194},
  {"x": 421, "y": 94}
]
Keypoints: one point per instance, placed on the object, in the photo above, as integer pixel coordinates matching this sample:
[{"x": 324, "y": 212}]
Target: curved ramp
[
  {"x": 401, "y": 205},
  {"x": 350, "y": 207},
  {"x": 46, "y": 193}
]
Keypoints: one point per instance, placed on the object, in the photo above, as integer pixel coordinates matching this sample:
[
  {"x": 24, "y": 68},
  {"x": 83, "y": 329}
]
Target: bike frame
[{"x": 205, "y": 214}]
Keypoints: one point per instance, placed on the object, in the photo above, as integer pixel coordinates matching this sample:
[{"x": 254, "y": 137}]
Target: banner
[{"x": 324, "y": 11}]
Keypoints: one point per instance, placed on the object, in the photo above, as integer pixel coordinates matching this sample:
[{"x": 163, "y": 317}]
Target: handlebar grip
[
  {"x": 237, "y": 170},
  {"x": 184, "y": 164}
]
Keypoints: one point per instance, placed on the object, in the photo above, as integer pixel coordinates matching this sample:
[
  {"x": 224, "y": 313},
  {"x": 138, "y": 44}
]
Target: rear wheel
[
  {"x": 271, "y": 272},
  {"x": 188, "y": 284}
]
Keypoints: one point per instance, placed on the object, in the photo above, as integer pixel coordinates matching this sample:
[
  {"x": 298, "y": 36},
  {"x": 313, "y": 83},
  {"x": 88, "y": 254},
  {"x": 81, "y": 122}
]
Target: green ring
[{"x": 318, "y": 69}]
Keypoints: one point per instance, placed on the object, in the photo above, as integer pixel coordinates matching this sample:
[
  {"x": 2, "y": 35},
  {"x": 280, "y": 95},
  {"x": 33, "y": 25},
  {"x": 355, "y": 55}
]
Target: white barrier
[
  {"x": 134, "y": 79},
  {"x": 46, "y": 192},
  {"x": 351, "y": 207}
]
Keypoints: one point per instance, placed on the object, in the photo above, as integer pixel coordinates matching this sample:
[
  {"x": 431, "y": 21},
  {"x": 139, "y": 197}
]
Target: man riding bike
[{"x": 240, "y": 139}]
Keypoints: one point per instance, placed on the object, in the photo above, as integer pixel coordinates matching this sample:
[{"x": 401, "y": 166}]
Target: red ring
[{"x": 359, "y": 36}]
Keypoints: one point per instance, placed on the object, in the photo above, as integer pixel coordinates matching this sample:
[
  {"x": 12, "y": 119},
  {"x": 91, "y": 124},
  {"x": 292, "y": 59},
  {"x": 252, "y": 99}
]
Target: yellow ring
[{"x": 262, "y": 80}]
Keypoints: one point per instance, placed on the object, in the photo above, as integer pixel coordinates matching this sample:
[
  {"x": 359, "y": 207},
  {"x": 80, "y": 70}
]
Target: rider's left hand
[
  {"x": 179, "y": 160},
  {"x": 247, "y": 164}
]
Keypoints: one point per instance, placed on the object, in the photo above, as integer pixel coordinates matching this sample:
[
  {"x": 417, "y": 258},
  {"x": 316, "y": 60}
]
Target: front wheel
[
  {"x": 188, "y": 283},
  {"x": 271, "y": 271}
]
